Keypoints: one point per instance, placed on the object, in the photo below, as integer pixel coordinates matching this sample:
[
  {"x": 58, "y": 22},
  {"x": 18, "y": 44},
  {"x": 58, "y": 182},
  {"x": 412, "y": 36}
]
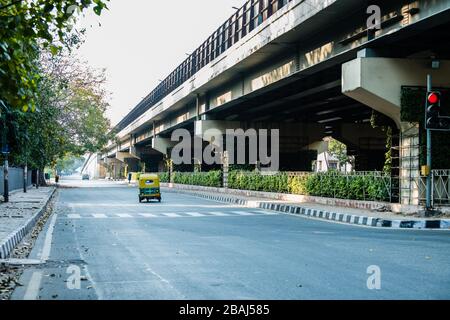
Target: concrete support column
[
  {"x": 162, "y": 144},
  {"x": 377, "y": 83}
]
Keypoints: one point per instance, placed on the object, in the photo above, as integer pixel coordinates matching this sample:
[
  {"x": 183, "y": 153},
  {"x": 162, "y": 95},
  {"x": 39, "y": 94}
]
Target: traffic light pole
[
  {"x": 429, "y": 186},
  {"x": 5, "y": 163}
]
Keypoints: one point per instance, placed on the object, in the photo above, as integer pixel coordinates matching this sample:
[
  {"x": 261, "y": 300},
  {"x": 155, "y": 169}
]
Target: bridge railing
[{"x": 247, "y": 18}]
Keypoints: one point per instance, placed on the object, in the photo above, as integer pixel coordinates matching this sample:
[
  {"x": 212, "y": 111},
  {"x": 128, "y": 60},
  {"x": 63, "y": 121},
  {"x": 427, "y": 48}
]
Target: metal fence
[
  {"x": 15, "y": 178},
  {"x": 440, "y": 193}
]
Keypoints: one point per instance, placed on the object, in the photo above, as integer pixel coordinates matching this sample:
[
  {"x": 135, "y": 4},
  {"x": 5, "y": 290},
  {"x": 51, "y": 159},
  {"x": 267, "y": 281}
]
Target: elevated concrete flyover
[{"x": 311, "y": 68}]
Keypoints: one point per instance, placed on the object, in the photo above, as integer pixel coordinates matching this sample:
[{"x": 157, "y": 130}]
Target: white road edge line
[
  {"x": 35, "y": 282},
  {"x": 45, "y": 254},
  {"x": 32, "y": 291}
]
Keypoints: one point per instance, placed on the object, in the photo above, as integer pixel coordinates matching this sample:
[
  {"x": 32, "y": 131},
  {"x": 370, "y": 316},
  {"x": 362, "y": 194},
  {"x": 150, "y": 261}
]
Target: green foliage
[
  {"x": 30, "y": 31},
  {"x": 379, "y": 120},
  {"x": 70, "y": 118},
  {"x": 413, "y": 110},
  {"x": 25, "y": 28},
  {"x": 164, "y": 177},
  {"x": 208, "y": 179},
  {"x": 412, "y": 104},
  {"x": 339, "y": 150},
  {"x": 330, "y": 184},
  {"x": 68, "y": 164},
  {"x": 373, "y": 187},
  {"x": 258, "y": 182}
]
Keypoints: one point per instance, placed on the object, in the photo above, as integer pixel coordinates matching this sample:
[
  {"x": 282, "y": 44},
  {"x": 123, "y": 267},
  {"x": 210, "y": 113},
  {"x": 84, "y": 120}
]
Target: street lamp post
[{"x": 5, "y": 153}]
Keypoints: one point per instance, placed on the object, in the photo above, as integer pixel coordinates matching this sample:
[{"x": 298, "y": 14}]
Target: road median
[{"x": 365, "y": 216}]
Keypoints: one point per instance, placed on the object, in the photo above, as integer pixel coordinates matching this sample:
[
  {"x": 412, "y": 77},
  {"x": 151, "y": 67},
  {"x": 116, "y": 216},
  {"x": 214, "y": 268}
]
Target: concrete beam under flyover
[
  {"x": 162, "y": 145},
  {"x": 377, "y": 82}
]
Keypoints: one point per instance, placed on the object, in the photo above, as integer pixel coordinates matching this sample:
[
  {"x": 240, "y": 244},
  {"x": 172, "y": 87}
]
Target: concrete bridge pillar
[
  {"x": 162, "y": 145},
  {"x": 377, "y": 83}
]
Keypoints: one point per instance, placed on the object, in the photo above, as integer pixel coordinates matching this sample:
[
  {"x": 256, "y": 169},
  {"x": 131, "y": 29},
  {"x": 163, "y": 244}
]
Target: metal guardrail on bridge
[{"x": 248, "y": 17}]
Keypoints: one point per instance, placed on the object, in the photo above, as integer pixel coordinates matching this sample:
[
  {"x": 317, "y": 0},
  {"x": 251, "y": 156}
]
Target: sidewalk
[
  {"x": 358, "y": 216},
  {"x": 20, "y": 215}
]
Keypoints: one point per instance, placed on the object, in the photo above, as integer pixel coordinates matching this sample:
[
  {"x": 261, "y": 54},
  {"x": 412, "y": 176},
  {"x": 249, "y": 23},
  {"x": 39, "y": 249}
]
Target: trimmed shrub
[
  {"x": 207, "y": 179},
  {"x": 164, "y": 177},
  {"x": 329, "y": 184}
]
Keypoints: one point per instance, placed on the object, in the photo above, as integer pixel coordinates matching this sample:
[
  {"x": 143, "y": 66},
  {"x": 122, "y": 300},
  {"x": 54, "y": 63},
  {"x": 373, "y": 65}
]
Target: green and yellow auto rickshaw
[{"x": 149, "y": 187}]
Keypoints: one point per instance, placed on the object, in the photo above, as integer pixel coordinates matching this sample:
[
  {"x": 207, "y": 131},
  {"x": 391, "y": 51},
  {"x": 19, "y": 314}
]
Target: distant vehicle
[
  {"x": 85, "y": 177},
  {"x": 149, "y": 187}
]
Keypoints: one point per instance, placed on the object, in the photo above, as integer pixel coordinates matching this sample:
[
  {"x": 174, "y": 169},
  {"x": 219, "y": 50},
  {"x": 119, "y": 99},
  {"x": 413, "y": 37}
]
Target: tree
[
  {"x": 25, "y": 27},
  {"x": 70, "y": 120},
  {"x": 69, "y": 164},
  {"x": 339, "y": 151}
]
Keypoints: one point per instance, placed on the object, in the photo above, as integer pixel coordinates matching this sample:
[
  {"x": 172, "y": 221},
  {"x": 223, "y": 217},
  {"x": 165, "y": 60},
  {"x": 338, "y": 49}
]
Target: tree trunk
[{"x": 41, "y": 178}]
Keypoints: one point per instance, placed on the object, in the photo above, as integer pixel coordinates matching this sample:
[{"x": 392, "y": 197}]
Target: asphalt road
[{"x": 191, "y": 248}]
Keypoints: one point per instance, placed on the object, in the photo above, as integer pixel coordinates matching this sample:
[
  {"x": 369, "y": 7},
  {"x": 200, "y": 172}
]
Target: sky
[{"x": 139, "y": 42}]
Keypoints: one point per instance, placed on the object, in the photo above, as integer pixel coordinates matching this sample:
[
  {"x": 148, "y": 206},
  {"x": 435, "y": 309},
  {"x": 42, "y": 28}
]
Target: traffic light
[{"x": 433, "y": 119}]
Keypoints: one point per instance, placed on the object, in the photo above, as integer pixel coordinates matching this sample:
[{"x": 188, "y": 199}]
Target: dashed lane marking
[
  {"x": 244, "y": 213},
  {"x": 99, "y": 215},
  {"x": 123, "y": 215},
  {"x": 170, "y": 214},
  {"x": 218, "y": 213},
  {"x": 148, "y": 215}
]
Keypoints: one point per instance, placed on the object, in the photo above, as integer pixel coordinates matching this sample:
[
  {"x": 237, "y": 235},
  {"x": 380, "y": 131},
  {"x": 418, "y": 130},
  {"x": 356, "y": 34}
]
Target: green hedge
[
  {"x": 257, "y": 182},
  {"x": 208, "y": 179},
  {"x": 164, "y": 177},
  {"x": 331, "y": 184}
]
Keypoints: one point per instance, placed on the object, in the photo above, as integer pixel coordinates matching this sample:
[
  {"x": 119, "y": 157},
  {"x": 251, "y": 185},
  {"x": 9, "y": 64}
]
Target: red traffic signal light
[{"x": 434, "y": 97}]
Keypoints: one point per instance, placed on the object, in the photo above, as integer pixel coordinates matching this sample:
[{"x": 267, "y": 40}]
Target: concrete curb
[
  {"x": 11, "y": 241},
  {"x": 324, "y": 215}
]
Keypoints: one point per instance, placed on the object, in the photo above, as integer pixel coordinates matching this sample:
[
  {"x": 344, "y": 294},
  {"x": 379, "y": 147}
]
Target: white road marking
[
  {"x": 218, "y": 213},
  {"x": 123, "y": 215},
  {"x": 171, "y": 215},
  {"x": 45, "y": 254},
  {"x": 243, "y": 213},
  {"x": 147, "y": 215},
  {"x": 267, "y": 212},
  {"x": 176, "y": 215},
  {"x": 32, "y": 291},
  {"x": 194, "y": 214},
  {"x": 99, "y": 215}
]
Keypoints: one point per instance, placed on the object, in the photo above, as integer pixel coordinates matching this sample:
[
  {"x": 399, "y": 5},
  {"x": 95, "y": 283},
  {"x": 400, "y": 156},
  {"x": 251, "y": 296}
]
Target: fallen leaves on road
[{"x": 9, "y": 275}]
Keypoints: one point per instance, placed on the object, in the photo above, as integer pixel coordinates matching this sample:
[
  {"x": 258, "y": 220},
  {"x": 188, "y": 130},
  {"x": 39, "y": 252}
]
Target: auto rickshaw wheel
[
  {"x": 159, "y": 199},
  {"x": 140, "y": 199}
]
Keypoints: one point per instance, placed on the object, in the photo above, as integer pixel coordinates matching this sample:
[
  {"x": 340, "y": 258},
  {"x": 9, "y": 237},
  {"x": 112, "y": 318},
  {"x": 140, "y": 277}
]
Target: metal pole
[
  {"x": 5, "y": 179},
  {"x": 429, "y": 186},
  {"x": 25, "y": 178},
  {"x": 5, "y": 165}
]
